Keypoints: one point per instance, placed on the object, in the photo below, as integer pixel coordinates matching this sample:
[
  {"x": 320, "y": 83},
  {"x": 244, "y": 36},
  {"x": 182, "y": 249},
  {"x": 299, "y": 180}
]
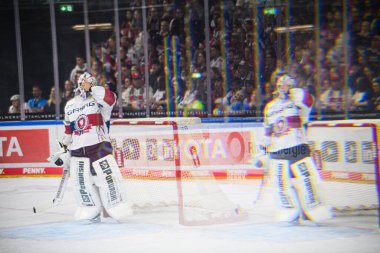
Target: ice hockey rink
[{"x": 55, "y": 230}]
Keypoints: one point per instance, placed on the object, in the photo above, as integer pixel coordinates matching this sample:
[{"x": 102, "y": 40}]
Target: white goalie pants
[
  {"x": 297, "y": 186},
  {"x": 106, "y": 189}
]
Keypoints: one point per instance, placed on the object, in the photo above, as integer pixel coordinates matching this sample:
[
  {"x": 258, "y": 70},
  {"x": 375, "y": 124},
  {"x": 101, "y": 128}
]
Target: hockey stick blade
[{"x": 43, "y": 208}]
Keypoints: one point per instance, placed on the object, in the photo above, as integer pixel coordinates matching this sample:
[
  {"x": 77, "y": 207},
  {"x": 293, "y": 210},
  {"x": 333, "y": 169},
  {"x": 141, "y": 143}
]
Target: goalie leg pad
[
  {"x": 85, "y": 191},
  {"x": 282, "y": 183},
  {"x": 111, "y": 188},
  {"x": 306, "y": 182},
  {"x": 290, "y": 208}
]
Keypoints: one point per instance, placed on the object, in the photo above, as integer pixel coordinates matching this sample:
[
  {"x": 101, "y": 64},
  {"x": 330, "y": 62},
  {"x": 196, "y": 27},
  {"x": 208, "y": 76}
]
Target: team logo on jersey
[
  {"x": 81, "y": 125},
  {"x": 281, "y": 126}
]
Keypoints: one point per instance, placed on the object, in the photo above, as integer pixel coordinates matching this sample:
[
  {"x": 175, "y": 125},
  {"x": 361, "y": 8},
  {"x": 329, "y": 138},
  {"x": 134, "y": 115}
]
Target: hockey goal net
[
  {"x": 160, "y": 166},
  {"x": 348, "y": 155}
]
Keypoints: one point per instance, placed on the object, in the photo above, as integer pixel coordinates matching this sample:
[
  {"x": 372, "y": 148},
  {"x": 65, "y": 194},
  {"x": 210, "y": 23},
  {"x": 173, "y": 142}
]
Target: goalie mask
[
  {"x": 284, "y": 84},
  {"x": 85, "y": 77}
]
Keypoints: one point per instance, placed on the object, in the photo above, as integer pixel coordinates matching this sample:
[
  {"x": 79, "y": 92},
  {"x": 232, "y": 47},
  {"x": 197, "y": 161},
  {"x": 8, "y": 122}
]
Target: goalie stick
[
  {"x": 64, "y": 178},
  {"x": 58, "y": 196},
  {"x": 258, "y": 162}
]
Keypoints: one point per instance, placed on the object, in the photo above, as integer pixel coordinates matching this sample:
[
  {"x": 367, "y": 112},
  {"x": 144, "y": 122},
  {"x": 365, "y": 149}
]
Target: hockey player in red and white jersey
[
  {"x": 97, "y": 178},
  {"x": 292, "y": 167}
]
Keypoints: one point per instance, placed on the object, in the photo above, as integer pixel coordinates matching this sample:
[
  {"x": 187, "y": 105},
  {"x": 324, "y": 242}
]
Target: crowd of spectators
[{"x": 235, "y": 89}]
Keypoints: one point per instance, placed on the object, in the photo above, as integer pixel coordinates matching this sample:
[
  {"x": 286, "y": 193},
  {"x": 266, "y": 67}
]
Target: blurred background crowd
[{"x": 226, "y": 65}]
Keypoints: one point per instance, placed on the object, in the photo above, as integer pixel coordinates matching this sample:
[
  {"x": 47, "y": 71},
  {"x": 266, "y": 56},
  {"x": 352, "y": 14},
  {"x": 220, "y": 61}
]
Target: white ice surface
[{"x": 55, "y": 230}]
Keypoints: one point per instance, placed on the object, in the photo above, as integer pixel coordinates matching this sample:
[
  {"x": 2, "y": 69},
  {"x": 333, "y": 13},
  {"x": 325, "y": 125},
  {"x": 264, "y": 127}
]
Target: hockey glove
[{"x": 61, "y": 157}]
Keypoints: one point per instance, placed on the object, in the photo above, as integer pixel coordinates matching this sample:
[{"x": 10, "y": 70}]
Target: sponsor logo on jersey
[
  {"x": 283, "y": 108},
  {"x": 80, "y": 109},
  {"x": 81, "y": 125},
  {"x": 1, "y": 171},
  {"x": 280, "y": 127}
]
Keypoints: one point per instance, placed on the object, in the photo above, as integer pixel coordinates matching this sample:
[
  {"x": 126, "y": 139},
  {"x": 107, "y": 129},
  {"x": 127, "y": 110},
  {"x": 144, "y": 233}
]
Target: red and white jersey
[
  {"x": 285, "y": 119},
  {"x": 87, "y": 120}
]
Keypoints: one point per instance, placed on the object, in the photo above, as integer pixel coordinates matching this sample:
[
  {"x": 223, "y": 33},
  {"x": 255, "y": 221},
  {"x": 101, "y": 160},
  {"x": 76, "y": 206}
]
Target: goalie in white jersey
[
  {"x": 293, "y": 169},
  {"x": 97, "y": 178}
]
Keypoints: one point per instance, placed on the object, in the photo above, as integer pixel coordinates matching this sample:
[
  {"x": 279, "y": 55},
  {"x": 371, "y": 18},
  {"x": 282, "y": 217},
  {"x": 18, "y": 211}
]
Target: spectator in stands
[
  {"x": 237, "y": 58},
  {"x": 190, "y": 94},
  {"x": 98, "y": 63},
  {"x": 354, "y": 72},
  {"x": 136, "y": 98},
  {"x": 164, "y": 30},
  {"x": 50, "y": 104},
  {"x": 237, "y": 104},
  {"x": 200, "y": 62},
  {"x": 219, "y": 108},
  {"x": 139, "y": 48},
  {"x": 125, "y": 92},
  {"x": 66, "y": 97},
  {"x": 183, "y": 66},
  {"x": 196, "y": 19},
  {"x": 159, "y": 101},
  {"x": 137, "y": 21},
  {"x": 244, "y": 72},
  {"x": 234, "y": 87},
  {"x": 126, "y": 26},
  {"x": 215, "y": 58},
  {"x": 153, "y": 23},
  {"x": 333, "y": 99},
  {"x": 133, "y": 55},
  {"x": 249, "y": 103},
  {"x": 79, "y": 69},
  {"x": 125, "y": 71},
  {"x": 196, "y": 109},
  {"x": 361, "y": 99},
  {"x": 370, "y": 72},
  {"x": 16, "y": 105},
  {"x": 36, "y": 103},
  {"x": 364, "y": 35},
  {"x": 68, "y": 88},
  {"x": 154, "y": 72},
  {"x": 177, "y": 25},
  {"x": 110, "y": 63},
  {"x": 217, "y": 90}
]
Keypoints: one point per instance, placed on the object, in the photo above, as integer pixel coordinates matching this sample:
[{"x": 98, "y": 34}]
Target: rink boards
[{"x": 344, "y": 151}]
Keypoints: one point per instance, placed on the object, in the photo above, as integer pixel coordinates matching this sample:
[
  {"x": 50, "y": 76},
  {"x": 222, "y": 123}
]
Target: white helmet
[
  {"x": 284, "y": 84},
  {"x": 87, "y": 77},
  {"x": 82, "y": 78}
]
